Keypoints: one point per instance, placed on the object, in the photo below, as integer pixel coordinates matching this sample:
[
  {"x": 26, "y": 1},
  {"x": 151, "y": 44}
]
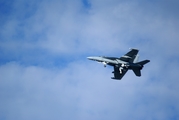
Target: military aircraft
[{"x": 121, "y": 65}]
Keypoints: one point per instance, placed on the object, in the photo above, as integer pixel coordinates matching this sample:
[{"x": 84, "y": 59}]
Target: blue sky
[{"x": 44, "y": 73}]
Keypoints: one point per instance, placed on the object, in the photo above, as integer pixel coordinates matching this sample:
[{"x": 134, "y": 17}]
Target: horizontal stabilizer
[{"x": 143, "y": 62}]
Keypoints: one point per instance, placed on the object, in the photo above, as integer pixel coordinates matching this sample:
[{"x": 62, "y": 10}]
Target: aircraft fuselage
[{"x": 123, "y": 64}]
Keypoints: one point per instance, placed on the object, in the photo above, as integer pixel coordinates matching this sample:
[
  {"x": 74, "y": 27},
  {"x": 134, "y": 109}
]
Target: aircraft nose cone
[{"x": 90, "y": 58}]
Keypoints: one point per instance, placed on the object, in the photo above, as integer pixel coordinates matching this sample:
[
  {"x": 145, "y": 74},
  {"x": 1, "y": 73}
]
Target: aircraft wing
[
  {"x": 130, "y": 56},
  {"x": 117, "y": 74}
]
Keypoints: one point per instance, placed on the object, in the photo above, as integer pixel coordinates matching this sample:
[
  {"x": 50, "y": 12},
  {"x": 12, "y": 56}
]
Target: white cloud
[{"x": 84, "y": 90}]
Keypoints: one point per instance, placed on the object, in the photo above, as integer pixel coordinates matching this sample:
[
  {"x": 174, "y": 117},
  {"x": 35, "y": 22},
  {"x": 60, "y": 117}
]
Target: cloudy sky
[{"x": 44, "y": 73}]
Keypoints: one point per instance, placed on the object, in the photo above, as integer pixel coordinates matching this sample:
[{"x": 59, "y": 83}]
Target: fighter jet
[{"x": 121, "y": 65}]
